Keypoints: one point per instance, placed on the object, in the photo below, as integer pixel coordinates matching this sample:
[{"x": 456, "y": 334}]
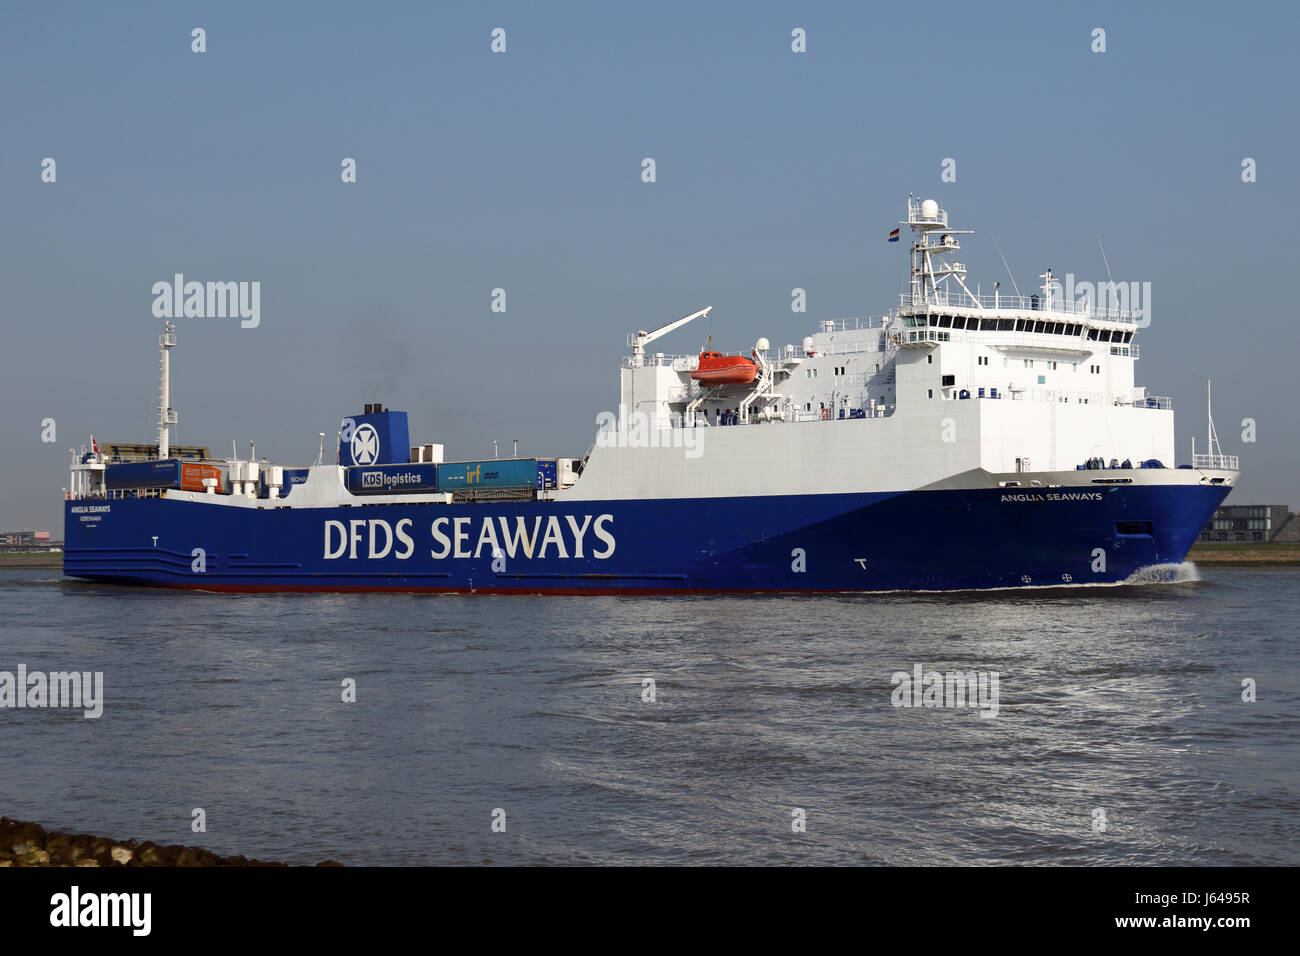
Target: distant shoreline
[
  {"x": 1256, "y": 554},
  {"x": 31, "y": 559}
]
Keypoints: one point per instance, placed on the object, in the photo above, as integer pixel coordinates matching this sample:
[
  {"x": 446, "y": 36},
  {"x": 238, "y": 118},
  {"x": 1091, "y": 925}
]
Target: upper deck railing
[
  {"x": 1215, "y": 462},
  {"x": 863, "y": 323},
  {"x": 1024, "y": 303}
]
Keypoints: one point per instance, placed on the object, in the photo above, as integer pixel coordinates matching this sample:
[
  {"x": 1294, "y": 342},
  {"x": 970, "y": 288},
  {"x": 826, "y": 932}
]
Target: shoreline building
[{"x": 1247, "y": 523}]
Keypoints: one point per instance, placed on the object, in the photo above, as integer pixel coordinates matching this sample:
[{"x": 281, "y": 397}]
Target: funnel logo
[{"x": 365, "y": 445}]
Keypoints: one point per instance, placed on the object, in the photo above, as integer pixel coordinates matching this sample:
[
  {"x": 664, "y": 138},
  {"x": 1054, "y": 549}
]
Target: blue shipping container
[
  {"x": 135, "y": 475},
  {"x": 496, "y": 473},
  {"x": 392, "y": 479}
]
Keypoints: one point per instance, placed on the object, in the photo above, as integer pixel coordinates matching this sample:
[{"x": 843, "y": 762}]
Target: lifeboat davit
[{"x": 718, "y": 369}]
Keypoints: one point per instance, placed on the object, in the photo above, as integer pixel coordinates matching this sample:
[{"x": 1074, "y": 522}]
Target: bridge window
[{"x": 945, "y": 321}]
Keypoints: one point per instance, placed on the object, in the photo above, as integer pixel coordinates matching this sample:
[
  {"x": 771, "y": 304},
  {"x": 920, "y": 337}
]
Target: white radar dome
[
  {"x": 807, "y": 344},
  {"x": 763, "y": 345},
  {"x": 929, "y": 209}
]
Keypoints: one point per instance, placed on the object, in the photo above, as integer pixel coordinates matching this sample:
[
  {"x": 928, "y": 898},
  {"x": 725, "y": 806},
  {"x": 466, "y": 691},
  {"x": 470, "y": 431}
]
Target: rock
[
  {"x": 28, "y": 844},
  {"x": 121, "y": 855},
  {"x": 61, "y": 856}
]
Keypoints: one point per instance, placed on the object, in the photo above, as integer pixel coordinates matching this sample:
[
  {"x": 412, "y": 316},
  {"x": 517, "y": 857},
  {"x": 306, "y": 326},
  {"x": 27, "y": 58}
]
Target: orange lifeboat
[{"x": 718, "y": 369}]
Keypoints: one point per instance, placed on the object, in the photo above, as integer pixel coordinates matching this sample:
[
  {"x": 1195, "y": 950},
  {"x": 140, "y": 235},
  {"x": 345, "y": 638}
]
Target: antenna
[
  {"x": 1105, "y": 260},
  {"x": 166, "y": 415},
  {"x": 1004, "y": 265},
  {"x": 1212, "y": 436},
  {"x": 515, "y": 453},
  {"x": 320, "y": 455}
]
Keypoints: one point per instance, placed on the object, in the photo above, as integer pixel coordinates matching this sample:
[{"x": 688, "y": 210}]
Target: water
[{"x": 1124, "y": 699}]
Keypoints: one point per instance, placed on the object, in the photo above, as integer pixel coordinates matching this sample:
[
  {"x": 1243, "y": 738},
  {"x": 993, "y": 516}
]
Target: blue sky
[{"x": 522, "y": 171}]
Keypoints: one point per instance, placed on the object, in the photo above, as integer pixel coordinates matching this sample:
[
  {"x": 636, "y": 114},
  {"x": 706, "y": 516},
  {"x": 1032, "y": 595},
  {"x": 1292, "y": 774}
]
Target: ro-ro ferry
[{"x": 963, "y": 441}]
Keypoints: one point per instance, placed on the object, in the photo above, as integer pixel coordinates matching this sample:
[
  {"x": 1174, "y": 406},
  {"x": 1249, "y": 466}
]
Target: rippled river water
[{"x": 1120, "y": 736}]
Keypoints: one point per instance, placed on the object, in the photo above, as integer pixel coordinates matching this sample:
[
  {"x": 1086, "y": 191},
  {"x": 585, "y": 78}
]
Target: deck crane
[{"x": 643, "y": 338}]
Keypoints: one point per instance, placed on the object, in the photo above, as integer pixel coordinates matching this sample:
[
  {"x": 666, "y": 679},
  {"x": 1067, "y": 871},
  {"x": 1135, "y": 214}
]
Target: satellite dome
[
  {"x": 929, "y": 209},
  {"x": 807, "y": 344},
  {"x": 763, "y": 345}
]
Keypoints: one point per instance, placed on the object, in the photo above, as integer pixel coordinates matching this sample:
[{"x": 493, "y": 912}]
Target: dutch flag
[{"x": 893, "y": 236}]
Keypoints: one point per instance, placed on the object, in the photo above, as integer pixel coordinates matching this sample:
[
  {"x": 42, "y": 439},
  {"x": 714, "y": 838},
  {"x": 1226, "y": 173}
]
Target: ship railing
[
  {"x": 1154, "y": 401},
  {"x": 680, "y": 363},
  {"x": 853, "y": 323},
  {"x": 1024, "y": 303},
  {"x": 847, "y": 348},
  {"x": 1215, "y": 462}
]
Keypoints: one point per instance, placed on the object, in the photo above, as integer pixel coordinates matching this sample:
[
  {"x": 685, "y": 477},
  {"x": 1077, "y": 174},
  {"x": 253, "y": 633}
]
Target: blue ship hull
[{"x": 916, "y": 540}]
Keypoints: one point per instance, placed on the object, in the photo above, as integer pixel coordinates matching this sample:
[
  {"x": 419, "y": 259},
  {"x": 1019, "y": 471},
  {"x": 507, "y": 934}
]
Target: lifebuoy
[{"x": 826, "y": 413}]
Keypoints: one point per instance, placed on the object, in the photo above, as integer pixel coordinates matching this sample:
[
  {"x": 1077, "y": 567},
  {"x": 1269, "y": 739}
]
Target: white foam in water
[{"x": 1165, "y": 574}]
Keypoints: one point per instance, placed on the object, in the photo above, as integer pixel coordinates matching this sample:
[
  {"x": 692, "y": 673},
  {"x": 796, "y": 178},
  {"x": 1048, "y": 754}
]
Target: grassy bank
[
  {"x": 31, "y": 559},
  {"x": 1247, "y": 553}
]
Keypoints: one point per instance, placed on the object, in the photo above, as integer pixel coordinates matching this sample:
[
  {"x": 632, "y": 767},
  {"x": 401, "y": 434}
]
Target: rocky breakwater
[{"x": 30, "y": 844}]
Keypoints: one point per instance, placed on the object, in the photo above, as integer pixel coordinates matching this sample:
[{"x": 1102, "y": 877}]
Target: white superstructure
[{"x": 950, "y": 382}]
